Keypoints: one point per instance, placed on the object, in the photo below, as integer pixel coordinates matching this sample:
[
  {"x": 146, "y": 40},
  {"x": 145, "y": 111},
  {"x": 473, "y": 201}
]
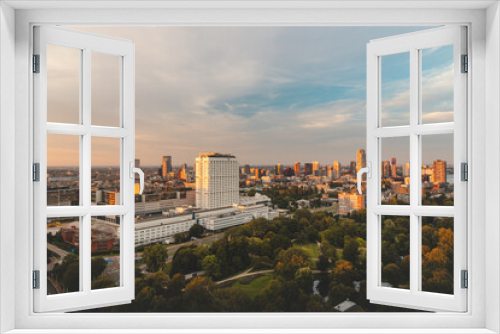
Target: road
[
  {"x": 246, "y": 273},
  {"x": 172, "y": 249},
  {"x": 215, "y": 237},
  {"x": 57, "y": 250}
]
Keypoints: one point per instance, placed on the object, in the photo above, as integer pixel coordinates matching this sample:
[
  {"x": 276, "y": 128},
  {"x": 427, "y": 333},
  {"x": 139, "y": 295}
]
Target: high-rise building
[
  {"x": 439, "y": 171},
  {"x": 336, "y": 170},
  {"x": 352, "y": 168},
  {"x": 182, "y": 175},
  {"x": 277, "y": 169},
  {"x": 257, "y": 173},
  {"x": 308, "y": 168},
  {"x": 247, "y": 169},
  {"x": 386, "y": 168},
  {"x": 217, "y": 180},
  {"x": 315, "y": 167},
  {"x": 288, "y": 172},
  {"x": 394, "y": 167},
  {"x": 166, "y": 165},
  {"x": 296, "y": 168},
  {"x": 360, "y": 160},
  {"x": 406, "y": 169}
]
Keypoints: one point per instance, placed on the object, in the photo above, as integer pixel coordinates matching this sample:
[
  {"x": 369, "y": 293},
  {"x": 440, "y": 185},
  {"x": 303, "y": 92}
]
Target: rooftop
[{"x": 216, "y": 155}]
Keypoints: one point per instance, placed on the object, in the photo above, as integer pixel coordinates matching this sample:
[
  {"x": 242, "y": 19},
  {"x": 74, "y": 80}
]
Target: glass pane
[
  {"x": 437, "y": 84},
  {"x": 105, "y": 171},
  {"x": 63, "y": 261},
  {"x": 105, "y": 89},
  {"x": 63, "y": 75},
  {"x": 396, "y": 252},
  {"x": 63, "y": 170},
  {"x": 395, "y": 90},
  {"x": 437, "y": 170},
  {"x": 105, "y": 252},
  {"x": 437, "y": 254},
  {"x": 395, "y": 186}
]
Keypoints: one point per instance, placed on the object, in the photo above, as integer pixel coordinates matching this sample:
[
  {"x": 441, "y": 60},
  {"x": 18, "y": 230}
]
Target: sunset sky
[{"x": 264, "y": 94}]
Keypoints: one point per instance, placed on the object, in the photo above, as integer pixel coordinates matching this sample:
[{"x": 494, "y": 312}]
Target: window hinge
[
  {"x": 465, "y": 64},
  {"x": 36, "y": 279},
  {"x": 36, "y": 63},
  {"x": 465, "y": 279},
  {"x": 36, "y": 172},
  {"x": 464, "y": 171}
]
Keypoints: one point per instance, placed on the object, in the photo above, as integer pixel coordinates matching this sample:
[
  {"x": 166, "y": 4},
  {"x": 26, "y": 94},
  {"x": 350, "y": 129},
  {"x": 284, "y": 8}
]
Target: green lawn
[
  {"x": 255, "y": 287},
  {"x": 310, "y": 249}
]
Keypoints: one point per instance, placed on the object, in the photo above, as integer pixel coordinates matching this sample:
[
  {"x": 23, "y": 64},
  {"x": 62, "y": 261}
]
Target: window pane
[
  {"x": 396, "y": 252},
  {"x": 395, "y": 182},
  {"x": 437, "y": 254},
  {"x": 437, "y": 170},
  {"x": 63, "y": 75},
  {"x": 63, "y": 261},
  {"x": 437, "y": 84},
  {"x": 105, "y": 89},
  {"x": 63, "y": 171},
  {"x": 395, "y": 90},
  {"x": 105, "y": 171},
  {"x": 105, "y": 252}
]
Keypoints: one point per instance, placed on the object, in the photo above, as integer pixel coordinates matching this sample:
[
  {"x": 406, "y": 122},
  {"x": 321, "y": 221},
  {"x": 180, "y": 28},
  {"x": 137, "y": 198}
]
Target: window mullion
[
  {"x": 414, "y": 164},
  {"x": 85, "y": 167}
]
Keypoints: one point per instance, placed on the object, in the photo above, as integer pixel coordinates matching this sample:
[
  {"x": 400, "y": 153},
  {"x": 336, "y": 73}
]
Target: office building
[
  {"x": 394, "y": 168},
  {"x": 336, "y": 170},
  {"x": 296, "y": 168},
  {"x": 315, "y": 168},
  {"x": 350, "y": 202},
  {"x": 277, "y": 169},
  {"x": 217, "y": 180},
  {"x": 352, "y": 168},
  {"x": 406, "y": 169},
  {"x": 166, "y": 166},
  {"x": 439, "y": 171},
  {"x": 308, "y": 168},
  {"x": 360, "y": 160}
]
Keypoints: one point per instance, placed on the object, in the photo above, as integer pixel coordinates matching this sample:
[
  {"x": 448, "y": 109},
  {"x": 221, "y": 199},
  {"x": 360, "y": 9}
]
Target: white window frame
[
  {"x": 413, "y": 43},
  {"x": 484, "y": 103}
]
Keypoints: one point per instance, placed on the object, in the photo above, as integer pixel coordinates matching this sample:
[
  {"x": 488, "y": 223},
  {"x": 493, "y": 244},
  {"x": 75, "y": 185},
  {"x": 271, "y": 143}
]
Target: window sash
[
  {"x": 414, "y": 297},
  {"x": 86, "y": 297}
]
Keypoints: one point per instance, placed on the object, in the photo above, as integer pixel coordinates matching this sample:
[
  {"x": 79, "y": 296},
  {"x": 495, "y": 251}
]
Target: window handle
[
  {"x": 368, "y": 172},
  {"x": 139, "y": 171}
]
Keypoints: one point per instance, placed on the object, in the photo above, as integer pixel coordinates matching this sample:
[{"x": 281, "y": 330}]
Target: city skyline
[{"x": 270, "y": 94}]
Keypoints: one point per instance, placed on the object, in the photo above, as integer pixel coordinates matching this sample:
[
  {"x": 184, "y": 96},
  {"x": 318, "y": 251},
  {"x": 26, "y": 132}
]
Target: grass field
[
  {"x": 310, "y": 249},
  {"x": 255, "y": 287}
]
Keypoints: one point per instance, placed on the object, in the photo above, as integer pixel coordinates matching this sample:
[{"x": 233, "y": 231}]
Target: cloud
[{"x": 262, "y": 93}]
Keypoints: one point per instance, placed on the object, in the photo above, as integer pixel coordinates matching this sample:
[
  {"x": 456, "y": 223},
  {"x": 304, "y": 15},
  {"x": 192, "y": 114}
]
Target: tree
[
  {"x": 102, "y": 284},
  {"x": 351, "y": 251},
  {"x": 196, "y": 231},
  {"x": 343, "y": 273},
  {"x": 154, "y": 257},
  {"x": 97, "y": 266},
  {"x": 184, "y": 261},
  {"x": 71, "y": 277},
  {"x": 391, "y": 274},
  {"x": 211, "y": 265},
  {"x": 323, "y": 263},
  {"x": 289, "y": 261},
  {"x": 252, "y": 192},
  {"x": 175, "y": 285}
]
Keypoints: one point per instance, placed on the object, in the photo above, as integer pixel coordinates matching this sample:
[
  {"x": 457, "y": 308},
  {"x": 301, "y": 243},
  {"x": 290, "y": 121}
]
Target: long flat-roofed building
[{"x": 217, "y": 180}]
